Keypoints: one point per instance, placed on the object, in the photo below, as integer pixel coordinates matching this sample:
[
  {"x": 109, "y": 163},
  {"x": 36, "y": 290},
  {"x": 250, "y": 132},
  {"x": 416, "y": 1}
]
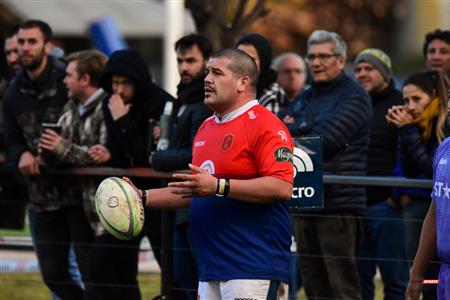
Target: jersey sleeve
[{"x": 273, "y": 151}]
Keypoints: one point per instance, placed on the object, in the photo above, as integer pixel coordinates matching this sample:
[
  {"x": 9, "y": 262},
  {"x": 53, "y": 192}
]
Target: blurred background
[{"x": 398, "y": 27}]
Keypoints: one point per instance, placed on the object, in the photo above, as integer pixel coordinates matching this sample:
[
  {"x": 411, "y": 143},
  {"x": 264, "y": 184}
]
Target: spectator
[
  {"x": 12, "y": 60},
  {"x": 189, "y": 111},
  {"x": 382, "y": 244},
  {"x": 436, "y": 50},
  {"x": 269, "y": 92},
  {"x": 292, "y": 73},
  {"x": 82, "y": 127},
  {"x": 339, "y": 110},
  {"x": 11, "y": 48},
  {"x": 239, "y": 214},
  {"x": 12, "y": 193},
  {"x": 434, "y": 238},
  {"x": 38, "y": 95},
  {"x": 134, "y": 101},
  {"x": 421, "y": 121}
]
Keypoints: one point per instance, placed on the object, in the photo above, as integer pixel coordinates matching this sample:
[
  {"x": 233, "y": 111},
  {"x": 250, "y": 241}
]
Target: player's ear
[{"x": 244, "y": 83}]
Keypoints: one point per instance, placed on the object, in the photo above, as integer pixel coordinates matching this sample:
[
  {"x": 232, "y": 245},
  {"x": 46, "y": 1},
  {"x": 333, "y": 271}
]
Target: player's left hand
[
  {"x": 200, "y": 184},
  {"x": 49, "y": 140},
  {"x": 413, "y": 291}
]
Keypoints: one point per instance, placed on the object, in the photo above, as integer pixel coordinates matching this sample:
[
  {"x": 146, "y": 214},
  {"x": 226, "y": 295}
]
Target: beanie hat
[{"x": 379, "y": 60}]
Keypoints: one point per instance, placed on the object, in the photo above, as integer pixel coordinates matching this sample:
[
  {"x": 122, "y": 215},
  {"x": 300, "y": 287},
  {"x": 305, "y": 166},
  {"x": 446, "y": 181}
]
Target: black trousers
[
  {"x": 55, "y": 231},
  {"x": 113, "y": 269}
]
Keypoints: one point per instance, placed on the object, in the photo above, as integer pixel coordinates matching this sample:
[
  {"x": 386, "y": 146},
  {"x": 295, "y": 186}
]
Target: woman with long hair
[{"x": 422, "y": 126}]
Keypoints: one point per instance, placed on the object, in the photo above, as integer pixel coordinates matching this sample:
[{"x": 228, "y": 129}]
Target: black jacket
[
  {"x": 128, "y": 137},
  {"x": 341, "y": 112},
  {"x": 26, "y": 104},
  {"x": 416, "y": 156},
  {"x": 188, "y": 114},
  {"x": 382, "y": 153}
]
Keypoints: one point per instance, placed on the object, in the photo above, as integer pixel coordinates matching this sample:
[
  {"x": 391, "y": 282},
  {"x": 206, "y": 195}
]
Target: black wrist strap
[
  {"x": 218, "y": 186},
  {"x": 227, "y": 187},
  {"x": 144, "y": 197}
]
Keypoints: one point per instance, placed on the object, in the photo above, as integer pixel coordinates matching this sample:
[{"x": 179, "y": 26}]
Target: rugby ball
[{"x": 119, "y": 208}]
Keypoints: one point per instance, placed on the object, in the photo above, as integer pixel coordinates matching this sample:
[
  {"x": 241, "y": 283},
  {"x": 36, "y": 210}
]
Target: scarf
[
  {"x": 191, "y": 92},
  {"x": 425, "y": 121}
]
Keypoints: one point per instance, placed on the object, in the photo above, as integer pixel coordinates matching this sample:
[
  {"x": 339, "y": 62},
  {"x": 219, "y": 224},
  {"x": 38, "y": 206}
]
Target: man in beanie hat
[{"x": 383, "y": 241}]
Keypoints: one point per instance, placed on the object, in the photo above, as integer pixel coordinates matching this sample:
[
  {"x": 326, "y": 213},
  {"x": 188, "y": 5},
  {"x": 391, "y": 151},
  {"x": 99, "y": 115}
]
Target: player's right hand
[{"x": 28, "y": 164}]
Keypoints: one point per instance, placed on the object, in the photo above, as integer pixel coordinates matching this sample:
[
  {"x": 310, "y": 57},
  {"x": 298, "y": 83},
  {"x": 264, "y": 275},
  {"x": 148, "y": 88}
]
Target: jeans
[
  {"x": 184, "y": 262},
  {"x": 55, "y": 231},
  {"x": 414, "y": 214},
  {"x": 383, "y": 246},
  {"x": 295, "y": 281},
  {"x": 73, "y": 266}
]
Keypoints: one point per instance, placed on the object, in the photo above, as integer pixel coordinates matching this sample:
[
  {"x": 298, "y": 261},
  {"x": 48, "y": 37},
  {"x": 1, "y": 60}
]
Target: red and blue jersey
[{"x": 235, "y": 239}]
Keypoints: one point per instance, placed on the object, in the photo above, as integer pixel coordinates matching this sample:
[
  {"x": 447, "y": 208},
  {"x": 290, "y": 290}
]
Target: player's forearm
[
  {"x": 260, "y": 190},
  {"x": 164, "y": 198},
  {"x": 427, "y": 245}
]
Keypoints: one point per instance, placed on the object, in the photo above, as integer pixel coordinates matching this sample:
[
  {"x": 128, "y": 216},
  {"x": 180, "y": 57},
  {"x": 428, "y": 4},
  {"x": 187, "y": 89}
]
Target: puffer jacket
[{"x": 341, "y": 112}]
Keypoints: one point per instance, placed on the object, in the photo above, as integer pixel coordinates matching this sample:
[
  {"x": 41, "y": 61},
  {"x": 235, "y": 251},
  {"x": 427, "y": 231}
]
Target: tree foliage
[{"x": 288, "y": 23}]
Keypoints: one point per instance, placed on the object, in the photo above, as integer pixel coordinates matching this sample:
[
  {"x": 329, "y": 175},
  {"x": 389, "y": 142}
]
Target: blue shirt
[{"x": 441, "y": 197}]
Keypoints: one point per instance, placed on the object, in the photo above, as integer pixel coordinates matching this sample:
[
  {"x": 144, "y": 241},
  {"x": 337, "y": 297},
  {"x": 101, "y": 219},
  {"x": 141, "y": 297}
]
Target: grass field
[
  {"x": 24, "y": 232},
  {"x": 25, "y": 286}
]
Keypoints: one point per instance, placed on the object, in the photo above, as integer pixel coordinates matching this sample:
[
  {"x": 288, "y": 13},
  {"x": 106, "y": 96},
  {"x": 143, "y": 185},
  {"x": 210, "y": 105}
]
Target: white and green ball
[{"x": 119, "y": 208}]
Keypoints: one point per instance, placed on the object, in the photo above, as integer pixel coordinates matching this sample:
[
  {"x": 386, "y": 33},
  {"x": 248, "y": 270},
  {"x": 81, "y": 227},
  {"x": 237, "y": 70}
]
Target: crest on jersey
[
  {"x": 227, "y": 142},
  {"x": 208, "y": 165}
]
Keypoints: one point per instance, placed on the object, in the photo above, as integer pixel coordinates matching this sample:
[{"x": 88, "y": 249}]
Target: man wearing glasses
[
  {"x": 292, "y": 73},
  {"x": 339, "y": 110}
]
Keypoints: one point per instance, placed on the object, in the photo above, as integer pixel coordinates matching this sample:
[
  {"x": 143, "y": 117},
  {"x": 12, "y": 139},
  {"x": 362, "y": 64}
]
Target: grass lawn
[
  {"x": 25, "y": 286},
  {"x": 8, "y": 232}
]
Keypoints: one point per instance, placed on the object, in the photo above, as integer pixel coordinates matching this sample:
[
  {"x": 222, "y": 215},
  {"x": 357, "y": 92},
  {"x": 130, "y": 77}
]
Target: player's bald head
[{"x": 241, "y": 64}]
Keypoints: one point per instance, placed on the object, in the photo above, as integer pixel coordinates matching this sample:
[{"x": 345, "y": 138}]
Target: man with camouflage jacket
[{"x": 83, "y": 134}]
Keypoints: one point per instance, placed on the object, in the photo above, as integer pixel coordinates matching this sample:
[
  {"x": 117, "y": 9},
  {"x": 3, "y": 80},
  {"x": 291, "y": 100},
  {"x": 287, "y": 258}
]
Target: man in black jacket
[
  {"x": 38, "y": 95},
  {"x": 339, "y": 110},
  {"x": 189, "y": 112},
  {"x": 134, "y": 101},
  {"x": 383, "y": 241}
]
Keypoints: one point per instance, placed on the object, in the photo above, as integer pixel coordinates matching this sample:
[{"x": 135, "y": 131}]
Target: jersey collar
[{"x": 236, "y": 113}]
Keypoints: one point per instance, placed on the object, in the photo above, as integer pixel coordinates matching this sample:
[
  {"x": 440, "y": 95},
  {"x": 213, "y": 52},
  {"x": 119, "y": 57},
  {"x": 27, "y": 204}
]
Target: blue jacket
[{"x": 341, "y": 112}]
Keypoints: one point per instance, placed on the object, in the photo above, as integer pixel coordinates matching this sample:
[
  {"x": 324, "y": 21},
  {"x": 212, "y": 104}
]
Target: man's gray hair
[
  {"x": 323, "y": 36},
  {"x": 241, "y": 64},
  {"x": 280, "y": 58}
]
